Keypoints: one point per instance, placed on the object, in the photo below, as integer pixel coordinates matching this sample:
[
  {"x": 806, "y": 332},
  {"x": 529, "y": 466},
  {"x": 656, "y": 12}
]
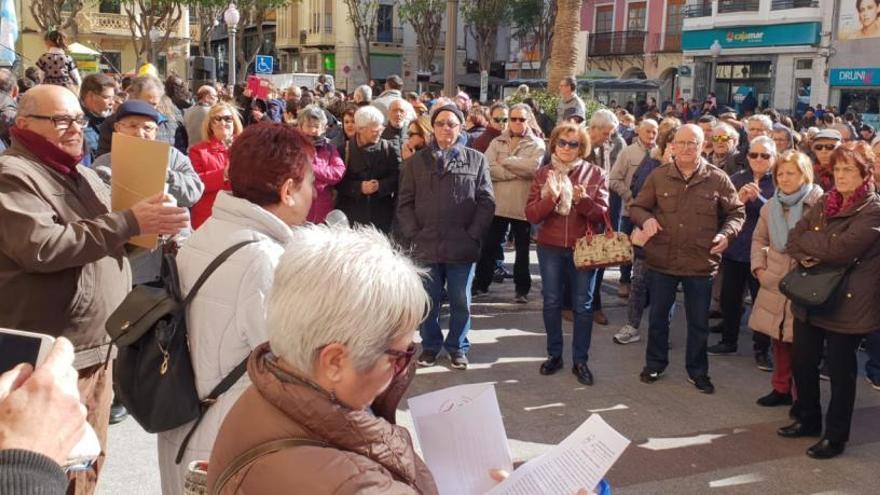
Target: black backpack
[{"x": 153, "y": 374}]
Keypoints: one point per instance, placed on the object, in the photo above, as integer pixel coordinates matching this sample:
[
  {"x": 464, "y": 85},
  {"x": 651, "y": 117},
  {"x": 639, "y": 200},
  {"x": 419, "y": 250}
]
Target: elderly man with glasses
[
  {"x": 63, "y": 266},
  {"x": 445, "y": 207},
  {"x": 689, "y": 211}
]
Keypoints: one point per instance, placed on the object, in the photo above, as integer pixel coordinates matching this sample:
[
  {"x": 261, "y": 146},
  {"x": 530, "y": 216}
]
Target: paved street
[{"x": 722, "y": 443}]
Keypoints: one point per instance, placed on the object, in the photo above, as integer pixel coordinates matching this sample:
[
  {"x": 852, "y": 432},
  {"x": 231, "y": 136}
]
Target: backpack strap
[
  {"x": 251, "y": 455},
  {"x": 219, "y": 389},
  {"x": 219, "y": 260}
]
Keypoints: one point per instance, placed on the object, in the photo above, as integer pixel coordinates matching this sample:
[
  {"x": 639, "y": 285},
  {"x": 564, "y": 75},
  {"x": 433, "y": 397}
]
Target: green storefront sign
[
  {"x": 328, "y": 62},
  {"x": 801, "y": 33}
]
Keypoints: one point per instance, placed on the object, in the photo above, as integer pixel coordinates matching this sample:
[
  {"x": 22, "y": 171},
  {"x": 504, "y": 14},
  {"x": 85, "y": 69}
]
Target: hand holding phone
[{"x": 33, "y": 399}]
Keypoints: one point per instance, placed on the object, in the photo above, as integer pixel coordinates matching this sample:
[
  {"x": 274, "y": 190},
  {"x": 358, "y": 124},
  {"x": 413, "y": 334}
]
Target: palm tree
[{"x": 563, "y": 56}]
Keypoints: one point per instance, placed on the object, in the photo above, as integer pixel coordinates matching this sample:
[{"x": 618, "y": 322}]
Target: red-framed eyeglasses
[{"x": 401, "y": 358}]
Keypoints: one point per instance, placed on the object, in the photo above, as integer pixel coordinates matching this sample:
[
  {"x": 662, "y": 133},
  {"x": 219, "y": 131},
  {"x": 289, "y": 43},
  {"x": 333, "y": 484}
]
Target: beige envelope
[{"x": 140, "y": 168}]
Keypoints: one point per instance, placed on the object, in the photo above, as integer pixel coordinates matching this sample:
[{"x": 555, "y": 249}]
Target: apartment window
[
  {"x": 605, "y": 18},
  {"x": 636, "y": 16},
  {"x": 328, "y": 16},
  {"x": 385, "y": 24},
  {"x": 674, "y": 21},
  {"x": 804, "y": 64},
  {"x": 109, "y": 7}
]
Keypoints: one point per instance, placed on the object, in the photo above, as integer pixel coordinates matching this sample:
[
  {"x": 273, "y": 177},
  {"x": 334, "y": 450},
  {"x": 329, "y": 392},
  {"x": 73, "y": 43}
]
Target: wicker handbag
[{"x": 594, "y": 251}]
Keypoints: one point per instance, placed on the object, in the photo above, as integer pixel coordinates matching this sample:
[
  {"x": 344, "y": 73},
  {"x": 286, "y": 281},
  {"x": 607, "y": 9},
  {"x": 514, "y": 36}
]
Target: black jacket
[
  {"x": 445, "y": 206},
  {"x": 381, "y": 162}
]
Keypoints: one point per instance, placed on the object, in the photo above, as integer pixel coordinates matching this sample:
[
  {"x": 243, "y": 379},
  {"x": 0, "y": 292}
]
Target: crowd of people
[{"x": 720, "y": 204}]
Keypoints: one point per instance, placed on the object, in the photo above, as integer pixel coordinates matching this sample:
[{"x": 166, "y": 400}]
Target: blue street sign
[{"x": 264, "y": 64}]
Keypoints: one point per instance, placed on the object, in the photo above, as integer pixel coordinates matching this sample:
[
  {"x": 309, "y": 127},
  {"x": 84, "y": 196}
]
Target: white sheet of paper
[
  {"x": 580, "y": 461},
  {"x": 462, "y": 437}
]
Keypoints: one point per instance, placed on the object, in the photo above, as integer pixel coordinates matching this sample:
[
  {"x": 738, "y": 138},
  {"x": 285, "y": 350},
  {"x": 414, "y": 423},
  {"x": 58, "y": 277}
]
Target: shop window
[
  {"x": 804, "y": 64},
  {"x": 802, "y": 90},
  {"x": 110, "y": 7},
  {"x": 111, "y": 62},
  {"x": 604, "y": 18}
]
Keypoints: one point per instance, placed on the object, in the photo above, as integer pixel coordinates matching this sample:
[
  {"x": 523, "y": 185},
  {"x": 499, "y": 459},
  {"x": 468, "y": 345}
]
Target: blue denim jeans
[
  {"x": 555, "y": 264},
  {"x": 457, "y": 279},
  {"x": 697, "y": 296},
  {"x": 872, "y": 347}
]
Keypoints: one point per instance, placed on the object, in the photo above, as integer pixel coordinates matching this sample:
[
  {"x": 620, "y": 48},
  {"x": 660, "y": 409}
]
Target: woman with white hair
[
  {"x": 607, "y": 144},
  {"x": 362, "y": 95},
  {"x": 367, "y": 192},
  {"x": 328, "y": 167},
  {"x": 327, "y": 383},
  {"x": 756, "y": 186}
]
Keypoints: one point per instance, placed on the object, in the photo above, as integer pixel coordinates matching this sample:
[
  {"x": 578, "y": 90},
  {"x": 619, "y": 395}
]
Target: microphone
[{"x": 336, "y": 218}]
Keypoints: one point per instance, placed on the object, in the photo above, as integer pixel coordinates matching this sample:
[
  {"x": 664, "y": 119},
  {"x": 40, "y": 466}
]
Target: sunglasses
[
  {"x": 518, "y": 119},
  {"x": 721, "y": 139},
  {"x": 826, "y": 147},
  {"x": 401, "y": 358},
  {"x": 446, "y": 123},
  {"x": 562, "y": 143},
  {"x": 222, "y": 118},
  {"x": 754, "y": 156},
  {"x": 500, "y": 120}
]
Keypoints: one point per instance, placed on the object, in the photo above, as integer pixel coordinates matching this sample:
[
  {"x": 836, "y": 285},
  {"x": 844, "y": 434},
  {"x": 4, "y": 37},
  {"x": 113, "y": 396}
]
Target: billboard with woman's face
[{"x": 859, "y": 19}]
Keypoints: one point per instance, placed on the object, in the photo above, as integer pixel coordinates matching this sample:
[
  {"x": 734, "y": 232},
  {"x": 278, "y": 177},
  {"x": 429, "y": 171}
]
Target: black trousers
[
  {"x": 521, "y": 231},
  {"x": 736, "y": 278},
  {"x": 842, "y": 362}
]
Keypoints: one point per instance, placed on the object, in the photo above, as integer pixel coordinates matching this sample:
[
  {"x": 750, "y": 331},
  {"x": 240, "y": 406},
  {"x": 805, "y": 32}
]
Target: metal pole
[
  {"x": 231, "y": 57},
  {"x": 451, "y": 48},
  {"x": 713, "y": 76}
]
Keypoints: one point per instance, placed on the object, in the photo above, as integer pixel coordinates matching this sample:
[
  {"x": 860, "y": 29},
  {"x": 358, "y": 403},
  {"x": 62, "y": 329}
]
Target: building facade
[
  {"x": 103, "y": 26},
  {"x": 854, "y": 68},
  {"x": 774, "y": 49},
  {"x": 634, "y": 40}
]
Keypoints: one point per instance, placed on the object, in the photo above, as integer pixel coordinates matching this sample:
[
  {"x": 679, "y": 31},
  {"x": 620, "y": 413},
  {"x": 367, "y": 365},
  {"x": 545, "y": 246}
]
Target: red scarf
[
  {"x": 48, "y": 153},
  {"x": 835, "y": 203},
  {"x": 824, "y": 177}
]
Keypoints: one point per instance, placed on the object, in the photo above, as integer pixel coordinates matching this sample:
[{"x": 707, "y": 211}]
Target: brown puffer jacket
[
  {"x": 837, "y": 241},
  {"x": 365, "y": 454},
  {"x": 691, "y": 213},
  {"x": 771, "y": 313}
]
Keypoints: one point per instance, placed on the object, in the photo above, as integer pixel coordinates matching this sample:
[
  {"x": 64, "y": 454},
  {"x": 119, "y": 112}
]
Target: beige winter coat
[
  {"x": 771, "y": 313},
  {"x": 512, "y": 170}
]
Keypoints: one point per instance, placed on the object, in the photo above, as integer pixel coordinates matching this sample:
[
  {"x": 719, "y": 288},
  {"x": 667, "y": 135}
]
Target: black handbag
[
  {"x": 814, "y": 287},
  {"x": 153, "y": 373}
]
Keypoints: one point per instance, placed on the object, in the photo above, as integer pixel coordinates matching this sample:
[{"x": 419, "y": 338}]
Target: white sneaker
[{"x": 627, "y": 335}]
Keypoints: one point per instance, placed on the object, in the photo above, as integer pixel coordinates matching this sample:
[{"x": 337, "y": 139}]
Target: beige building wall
[{"x": 106, "y": 33}]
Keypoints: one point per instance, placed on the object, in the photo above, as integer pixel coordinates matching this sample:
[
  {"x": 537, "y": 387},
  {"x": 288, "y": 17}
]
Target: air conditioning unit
[{"x": 433, "y": 68}]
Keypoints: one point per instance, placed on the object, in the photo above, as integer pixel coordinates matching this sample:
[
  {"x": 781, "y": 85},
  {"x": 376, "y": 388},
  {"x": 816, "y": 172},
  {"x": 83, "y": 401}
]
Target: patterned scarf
[{"x": 835, "y": 203}]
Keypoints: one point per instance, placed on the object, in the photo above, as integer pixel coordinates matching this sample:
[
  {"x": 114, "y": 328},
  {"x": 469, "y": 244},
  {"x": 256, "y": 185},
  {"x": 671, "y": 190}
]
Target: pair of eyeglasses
[
  {"x": 61, "y": 122},
  {"x": 765, "y": 156},
  {"x": 222, "y": 118},
  {"x": 500, "y": 120},
  {"x": 721, "y": 139},
  {"x": 562, "y": 143},
  {"x": 446, "y": 123},
  {"x": 826, "y": 147},
  {"x": 401, "y": 358},
  {"x": 518, "y": 119}
]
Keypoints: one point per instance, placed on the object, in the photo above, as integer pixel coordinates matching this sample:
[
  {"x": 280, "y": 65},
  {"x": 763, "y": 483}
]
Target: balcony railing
[
  {"x": 698, "y": 9},
  {"x": 392, "y": 35},
  {"x": 730, "y": 6},
  {"x": 116, "y": 24},
  {"x": 794, "y": 4},
  {"x": 617, "y": 43}
]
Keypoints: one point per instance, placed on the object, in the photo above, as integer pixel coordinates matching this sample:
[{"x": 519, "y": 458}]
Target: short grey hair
[
  {"x": 365, "y": 92},
  {"x": 768, "y": 143},
  {"x": 313, "y": 113},
  {"x": 728, "y": 129},
  {"x": 407, "y": 108},
  {"x": 522, "y": 107},
  {"x": 368, "y": 116},
  {"x": 764, "y": 120},
  {"x": 604, "y": 118},
  {"x": 649, "y": 122},
  {"x": 141, "y": 84},
  {"x": 373, "y": 294}
]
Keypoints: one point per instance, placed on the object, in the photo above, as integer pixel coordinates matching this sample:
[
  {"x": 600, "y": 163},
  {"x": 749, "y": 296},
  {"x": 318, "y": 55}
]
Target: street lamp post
[
  {"x": 715, "y": 51},
  {"x": 231, "y": 16}
]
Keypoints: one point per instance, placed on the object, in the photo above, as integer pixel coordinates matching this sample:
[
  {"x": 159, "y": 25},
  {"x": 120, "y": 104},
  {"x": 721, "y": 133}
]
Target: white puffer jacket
[{"x": 226, "y": 320}]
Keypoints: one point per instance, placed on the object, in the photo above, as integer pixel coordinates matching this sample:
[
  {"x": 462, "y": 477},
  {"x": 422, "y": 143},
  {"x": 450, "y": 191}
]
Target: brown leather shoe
[{"x": 599, "y": 317}]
